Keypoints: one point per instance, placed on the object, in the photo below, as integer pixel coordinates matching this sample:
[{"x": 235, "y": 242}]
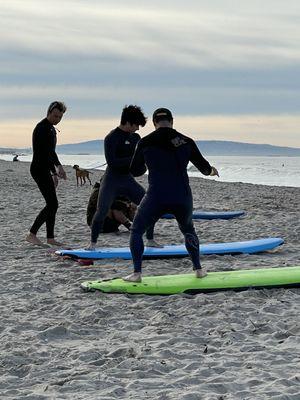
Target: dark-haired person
[
  {"x": 166, "y": 153},
  {"x": 119, "y": 146},
  {"x": 121, "y": 212},
  {"x": 46, "y": 169}
]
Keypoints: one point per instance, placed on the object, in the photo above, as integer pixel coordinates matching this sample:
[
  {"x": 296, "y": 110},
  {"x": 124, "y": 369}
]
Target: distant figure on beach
[
  {"x": 166, "y": 153},
  {"x": 121, "y": 212},
  {"x": 119, "y": 146},
  {"x": 45, "y": 170},
  {"x": 16, "y": 157}
]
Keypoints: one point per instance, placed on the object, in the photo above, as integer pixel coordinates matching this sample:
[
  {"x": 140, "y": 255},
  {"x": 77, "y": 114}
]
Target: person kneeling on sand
[
  {"x": 121, "y": 212},
  {"x": 166, "y": 154}
]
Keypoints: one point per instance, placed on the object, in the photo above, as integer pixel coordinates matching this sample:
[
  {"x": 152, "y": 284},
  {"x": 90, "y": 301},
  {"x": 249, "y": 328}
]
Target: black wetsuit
[
  {"x": 43, "y": 163},
  {"x": 166, "y": 153},
  {"x": 117, "y": 180}
]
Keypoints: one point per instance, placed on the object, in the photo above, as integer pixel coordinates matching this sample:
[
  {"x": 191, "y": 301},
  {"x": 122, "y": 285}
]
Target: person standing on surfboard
[
  {"x": 119, "y": 146},
  {"x": 166, "y": 154},
  {"x": 45, "y": 170}
]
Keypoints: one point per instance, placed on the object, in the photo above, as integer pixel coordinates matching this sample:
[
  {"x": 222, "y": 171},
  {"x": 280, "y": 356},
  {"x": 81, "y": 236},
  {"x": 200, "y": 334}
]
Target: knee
[
  {"x": 53, "y": 207},
  {"x": 192, "y": 239},
  {"x": 137, "y": 229},
  {"x": 187, "y": 229}
]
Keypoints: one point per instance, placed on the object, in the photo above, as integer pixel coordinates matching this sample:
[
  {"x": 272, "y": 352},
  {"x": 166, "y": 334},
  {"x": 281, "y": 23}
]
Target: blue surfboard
[
  {"x": 211, "y": 214},
  {"x": 173, "y": 251}
]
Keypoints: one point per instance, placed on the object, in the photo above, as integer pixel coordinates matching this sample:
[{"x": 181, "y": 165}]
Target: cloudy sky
[{"x": 228, "y": 69}]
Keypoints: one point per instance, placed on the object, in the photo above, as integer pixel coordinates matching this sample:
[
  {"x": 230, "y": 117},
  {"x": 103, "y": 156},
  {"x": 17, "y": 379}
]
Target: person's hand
[
  {"x": 214, "y": 172},
  {"x": 55, "y": 180},
  {"x": 61, "y": 172}
]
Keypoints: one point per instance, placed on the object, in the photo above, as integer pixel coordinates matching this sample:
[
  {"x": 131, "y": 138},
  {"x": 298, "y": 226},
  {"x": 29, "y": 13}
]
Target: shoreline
[{"x": 192, "y": 174}]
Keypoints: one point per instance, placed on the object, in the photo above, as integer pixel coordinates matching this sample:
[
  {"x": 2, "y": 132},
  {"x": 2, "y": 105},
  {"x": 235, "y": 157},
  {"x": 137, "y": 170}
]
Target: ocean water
[{"x": 274, "y": 171}]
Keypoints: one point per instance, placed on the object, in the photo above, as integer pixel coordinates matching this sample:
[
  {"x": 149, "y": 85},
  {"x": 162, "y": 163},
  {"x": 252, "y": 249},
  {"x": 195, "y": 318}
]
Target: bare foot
[
  {"x": 153, "y": 243},
  {"x": 134, "y": 277},
  {"x": 200, "y": 273},
  {"x": 31, "y": 238},
  {"x": 91, "y": 246},
  {"x": 54, "y": 242}
]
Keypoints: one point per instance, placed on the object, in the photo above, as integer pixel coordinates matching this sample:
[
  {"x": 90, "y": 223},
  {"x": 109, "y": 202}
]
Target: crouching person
[{"x": 122, "y": 212}]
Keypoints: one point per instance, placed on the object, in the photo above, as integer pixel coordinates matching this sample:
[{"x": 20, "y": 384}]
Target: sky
[{"x": 227, "y": 69}]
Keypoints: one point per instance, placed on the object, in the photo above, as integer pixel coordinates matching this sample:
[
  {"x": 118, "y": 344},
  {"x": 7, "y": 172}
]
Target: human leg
[
  {"x": 105, "y": 198},
  {"x": 120, "y": 218},
  {"x": 48, "y": 213},
  {"x": 183, "y": 215},
  {"x": 144, "y": 217},
  {"x": 136, "y": 192}
]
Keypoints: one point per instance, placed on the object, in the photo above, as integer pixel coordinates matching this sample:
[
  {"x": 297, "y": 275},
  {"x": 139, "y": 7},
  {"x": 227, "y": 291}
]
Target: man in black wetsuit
[
  {"x": 166, "y": 153},
  {"x": 45, "y": 170},
  {"x": 119, "y": 146}
]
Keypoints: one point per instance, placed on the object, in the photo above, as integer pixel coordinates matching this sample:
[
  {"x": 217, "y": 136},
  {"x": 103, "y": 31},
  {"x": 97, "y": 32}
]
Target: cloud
[
  {"x": 192, "y": 36},
  {"x": 197, "y": 57},
  {"x": 234, "y": 92}
]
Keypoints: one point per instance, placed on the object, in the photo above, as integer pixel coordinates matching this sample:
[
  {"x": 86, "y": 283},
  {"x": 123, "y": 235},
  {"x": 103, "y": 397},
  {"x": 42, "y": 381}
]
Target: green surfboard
[{"x": 214, "y": 281}]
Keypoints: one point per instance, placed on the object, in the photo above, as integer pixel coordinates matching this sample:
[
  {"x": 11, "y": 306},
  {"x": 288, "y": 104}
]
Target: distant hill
[
  {"x": 210, "y": 147},
  {"x": 90, "y": 147},
  {"x": 207, "y": 147},
  {"x": 226, "y": 148}
]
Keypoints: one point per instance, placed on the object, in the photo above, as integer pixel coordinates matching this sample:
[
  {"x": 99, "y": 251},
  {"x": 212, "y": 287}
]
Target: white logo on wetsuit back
[
  {"x": 126, "y": 142},
  {"x": 177, "y": 141}
]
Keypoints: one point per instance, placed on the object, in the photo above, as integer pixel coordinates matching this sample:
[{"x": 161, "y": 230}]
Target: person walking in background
[
  {"x": 166, "y": 153},
  {"x": 119, "y": 146},
  {"x": 46, "y": 169}
]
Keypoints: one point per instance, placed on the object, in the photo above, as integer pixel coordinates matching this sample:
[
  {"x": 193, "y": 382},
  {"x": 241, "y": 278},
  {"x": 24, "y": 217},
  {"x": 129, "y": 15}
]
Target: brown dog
[{"x": 81, "y": 174}]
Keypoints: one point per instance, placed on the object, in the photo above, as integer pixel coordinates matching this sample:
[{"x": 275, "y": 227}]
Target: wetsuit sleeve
[
  {"x": 198, "y": 160},
  {"x": 54, "y": 162},
  {"x": 110, "y": 151},
  {"x": 54, "y": 156},
  {"x": 138, "y": 166},
  {"x": 44, "y": 143}
]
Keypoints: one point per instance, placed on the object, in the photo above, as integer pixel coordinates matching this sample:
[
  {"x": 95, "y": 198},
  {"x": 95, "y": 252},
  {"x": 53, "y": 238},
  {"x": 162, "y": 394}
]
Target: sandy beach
[{"x": 58, "y": 342}]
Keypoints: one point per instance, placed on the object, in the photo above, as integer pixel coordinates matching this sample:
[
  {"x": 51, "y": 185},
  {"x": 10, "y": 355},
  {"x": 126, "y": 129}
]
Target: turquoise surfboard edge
[{"x": 214, "y": 281}]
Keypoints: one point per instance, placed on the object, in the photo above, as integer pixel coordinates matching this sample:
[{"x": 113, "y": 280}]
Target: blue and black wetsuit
[
  {"x": 117, "y": 180},
  {"x": 43, "y": 164},
  {"x": 166, "y": 153}
]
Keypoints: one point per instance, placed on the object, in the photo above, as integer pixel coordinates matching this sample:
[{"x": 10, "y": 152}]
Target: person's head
[
  {"x": 162, "y": 117},
  {"x": 55, "y": 112},
  {"x": 132, "y": 118}
]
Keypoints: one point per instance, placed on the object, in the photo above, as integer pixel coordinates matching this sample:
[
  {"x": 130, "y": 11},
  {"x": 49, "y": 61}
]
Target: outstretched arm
[{"x": 201, "y": 163}]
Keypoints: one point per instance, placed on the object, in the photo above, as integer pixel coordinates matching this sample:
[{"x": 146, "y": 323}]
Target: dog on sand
[{"x": 81, "y": 175}]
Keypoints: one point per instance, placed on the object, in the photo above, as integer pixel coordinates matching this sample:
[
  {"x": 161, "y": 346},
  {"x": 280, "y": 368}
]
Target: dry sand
[{"x": 58, "y": 342}]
